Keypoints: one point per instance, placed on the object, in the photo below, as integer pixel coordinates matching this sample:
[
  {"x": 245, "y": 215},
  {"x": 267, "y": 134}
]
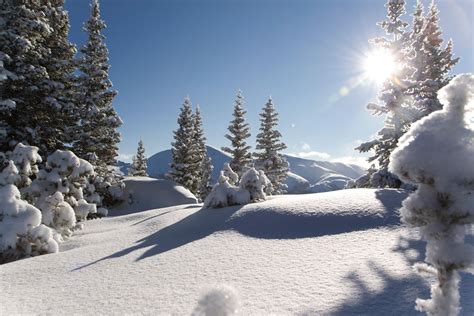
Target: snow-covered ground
[
  {"x": 341, "y": 252},
  {"x": 306, "y": 175},
  {"x": 145, "y": 193}
]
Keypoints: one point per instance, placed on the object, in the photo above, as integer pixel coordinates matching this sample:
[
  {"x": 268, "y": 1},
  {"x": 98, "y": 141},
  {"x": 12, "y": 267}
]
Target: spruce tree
[
  {"x": 185, "y": 150},
  {"x": 442, "y": 208},
  {"x": 205, "y": 186},
  {"x": 30, "y": 110},
  {"x": 269, "y": 159},
  {"x": 200, "y": 141},
  {"x": 98, "y": 136},
  {"x": 239, "y": 132},
  {"x": 61, "y": 66},
  {"x": 394, "y": 97},
  {"x": 432, "y": 62},
  {"x": 139, "y": 166},
  {"x": 411, "y": 92}
]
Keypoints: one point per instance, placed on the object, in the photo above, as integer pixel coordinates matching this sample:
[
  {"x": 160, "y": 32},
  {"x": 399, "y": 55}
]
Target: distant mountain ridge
[{"x": 305, "y": 175}]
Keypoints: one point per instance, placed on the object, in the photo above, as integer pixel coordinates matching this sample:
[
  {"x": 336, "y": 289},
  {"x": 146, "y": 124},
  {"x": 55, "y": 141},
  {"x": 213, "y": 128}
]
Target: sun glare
[{"x": 379, "y": 65}]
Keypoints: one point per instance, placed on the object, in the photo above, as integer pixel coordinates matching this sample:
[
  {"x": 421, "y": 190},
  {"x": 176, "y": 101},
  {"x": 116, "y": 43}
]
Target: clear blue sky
[{"x": 300, "y": 52}]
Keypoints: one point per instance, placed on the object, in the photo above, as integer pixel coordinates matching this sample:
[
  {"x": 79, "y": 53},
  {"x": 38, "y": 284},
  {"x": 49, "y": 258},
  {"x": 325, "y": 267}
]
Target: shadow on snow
[{"x": 260, "y": 222}]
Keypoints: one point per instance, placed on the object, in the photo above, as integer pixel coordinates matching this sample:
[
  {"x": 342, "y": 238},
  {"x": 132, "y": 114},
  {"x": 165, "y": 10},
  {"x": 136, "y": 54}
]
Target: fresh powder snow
[{"x": 341, "y": 252}]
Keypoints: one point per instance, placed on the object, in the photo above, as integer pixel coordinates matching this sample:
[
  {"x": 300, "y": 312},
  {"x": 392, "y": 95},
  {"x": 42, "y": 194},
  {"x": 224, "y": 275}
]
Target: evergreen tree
[
  {"x": 239, "y": 132},
  {"x": 33, "y": 100},
  {"x": 138, "y": 167},
  {"x": 437, "y": 155},
  {"x": 61, "y": 66},
  {"x": 411, "y": 92},
  {"x": 394, "y": 97},
  {"x": 185, "y": 150},
  {"x": 200, "y": 141},
  {"x": 205, "y": 186},
  {"x": 432, "y": 62},
  {"x": 269, "y": 159},
  {"x": 98, "y": 136}
]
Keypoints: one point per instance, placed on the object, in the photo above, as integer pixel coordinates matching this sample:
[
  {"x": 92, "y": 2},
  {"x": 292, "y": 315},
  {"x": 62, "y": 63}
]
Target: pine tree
[
  {"x": 269, "y": 159},
  {"x": 30, "y": 110},
  {"x": 442, "y": 207},
  {"x": 394, "y": 96},
  {"x": 205, "y": 186},
  {"x": 411, "y": 92},
  {"x": 98, "y": 136},
  {"x": 138, "y": 168},
  {"x": 239, "y": 132},
  {"x": 432, "y": 61},
  {"x": 61, "y": 66},
  {"x": 185, "y": 150},
  {"x": 200, "y": 141}
]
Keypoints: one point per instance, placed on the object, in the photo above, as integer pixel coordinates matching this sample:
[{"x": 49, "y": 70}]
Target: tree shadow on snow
[
  {"x": 260, "y": 222},
  {"x": 398, "y": 295},
  {"x": 191, "y": 228}
]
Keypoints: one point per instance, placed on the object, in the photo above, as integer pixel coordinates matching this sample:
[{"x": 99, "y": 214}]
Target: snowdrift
[
  {"x": 144, "y": 193},
  {"x": 306, "y": 176}
]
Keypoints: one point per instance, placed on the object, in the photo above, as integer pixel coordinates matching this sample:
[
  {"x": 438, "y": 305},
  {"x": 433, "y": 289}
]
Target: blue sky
[{"x": 302, "y": 53}]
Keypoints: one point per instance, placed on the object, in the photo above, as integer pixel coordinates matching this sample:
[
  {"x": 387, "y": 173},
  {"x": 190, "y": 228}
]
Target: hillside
[
  {"x": 305, "y": 175},
  {"x": 337, "y": 253}
]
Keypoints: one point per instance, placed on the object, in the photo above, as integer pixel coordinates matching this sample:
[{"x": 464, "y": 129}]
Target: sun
[{"x": 379, "y": 65}]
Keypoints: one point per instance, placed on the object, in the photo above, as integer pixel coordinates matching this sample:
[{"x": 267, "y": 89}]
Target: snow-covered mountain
[{"x": 305, "y": 175}]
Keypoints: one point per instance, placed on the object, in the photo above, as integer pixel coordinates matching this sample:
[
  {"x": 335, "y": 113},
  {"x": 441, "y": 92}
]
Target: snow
[
  {"x": 145, "y": 193},
  {"x": 296, "y": 184},
  {"x": 303, "y": 172},
  {"x": 226, "y": 194},
  {"x": 340, "y": 253},
  {"x": 437, "y": 155}
]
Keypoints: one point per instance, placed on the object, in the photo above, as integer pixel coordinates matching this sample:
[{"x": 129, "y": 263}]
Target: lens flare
[{"x": 379, "y": 65}]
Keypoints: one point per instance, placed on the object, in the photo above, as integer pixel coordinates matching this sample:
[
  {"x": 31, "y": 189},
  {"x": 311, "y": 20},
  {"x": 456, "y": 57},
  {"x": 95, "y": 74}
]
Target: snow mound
[
  {"x": 144, "y": 193},
  {"x": 313, "y": 215},
  {"x": 221, "y": 301},
  {"x": 296, "y": 184}
]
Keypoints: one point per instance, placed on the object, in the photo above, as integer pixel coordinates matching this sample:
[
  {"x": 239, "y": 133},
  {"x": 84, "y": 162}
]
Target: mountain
[{"x": 305, "y": 175}]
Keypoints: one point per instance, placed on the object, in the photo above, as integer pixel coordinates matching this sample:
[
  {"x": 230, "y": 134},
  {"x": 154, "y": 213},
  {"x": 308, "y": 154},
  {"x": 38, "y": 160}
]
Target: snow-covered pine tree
[
  {"x": 185, "y": 150},
  {"x": 26, "y": 86},
  {"x": 230, "y": 174},
  {"x": 138, "y": 167},
  {"x": 270, "y": 159},
  {"x": 432, "y": 61},
  {"x": 58, "y": 191},
  {"x": 442, "y": 207},
  {"x": 394, "y": 97},
  {"x": 205, "y": 186},
  {"x": 21, "y": 232},
  {"x": 239, "y": 131},
  {"x": 97, "y": 137},
  {"x": 200, "y": 156},
  {"x": 61, "y": 83}
]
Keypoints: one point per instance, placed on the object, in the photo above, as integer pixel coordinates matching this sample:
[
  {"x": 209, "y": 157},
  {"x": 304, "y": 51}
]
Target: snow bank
[{"x": 144, "y": 193}]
